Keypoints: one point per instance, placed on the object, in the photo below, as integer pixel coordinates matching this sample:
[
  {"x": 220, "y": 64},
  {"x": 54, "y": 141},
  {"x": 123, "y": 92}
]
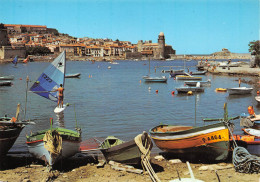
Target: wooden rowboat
[
  {"x": 209, "y": 142},
  {"x": 51, "y": 145},
  {"x": 10, "y": 129},
  {"x": 9, "y": 132},
  {"x": 252, "y": 132},
  {"x": 117, "y": 150}
]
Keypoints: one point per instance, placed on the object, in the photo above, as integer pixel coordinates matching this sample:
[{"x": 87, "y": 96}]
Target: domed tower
[{"x": 161, "y": 45}]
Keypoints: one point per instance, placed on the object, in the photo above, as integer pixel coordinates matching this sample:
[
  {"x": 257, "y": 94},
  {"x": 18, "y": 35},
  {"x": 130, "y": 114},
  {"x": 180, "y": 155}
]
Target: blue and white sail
[
  {"x": 15, "y": 60},
  {"x": 51, "y": 78}
]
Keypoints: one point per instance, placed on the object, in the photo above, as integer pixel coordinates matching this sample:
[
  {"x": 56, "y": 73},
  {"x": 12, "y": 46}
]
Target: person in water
[{"x": 60, "y": 98}]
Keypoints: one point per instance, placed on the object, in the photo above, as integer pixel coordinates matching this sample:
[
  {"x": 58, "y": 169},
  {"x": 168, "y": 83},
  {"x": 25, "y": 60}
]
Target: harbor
[{"x": 119, "y": 102}]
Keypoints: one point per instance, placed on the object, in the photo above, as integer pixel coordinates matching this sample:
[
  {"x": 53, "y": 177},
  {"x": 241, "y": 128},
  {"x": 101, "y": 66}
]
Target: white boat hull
[
  {"x": 239, "y": 90},
  {"x": 37, "y": 149}
]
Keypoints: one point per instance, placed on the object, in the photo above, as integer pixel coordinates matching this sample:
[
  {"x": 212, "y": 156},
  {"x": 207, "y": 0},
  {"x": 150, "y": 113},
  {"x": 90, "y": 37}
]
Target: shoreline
[{"x": 85, "y": 168}]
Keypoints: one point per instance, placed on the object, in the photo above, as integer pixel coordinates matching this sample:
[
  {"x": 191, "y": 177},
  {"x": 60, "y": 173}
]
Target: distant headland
[{"x": 42, "y": 43}]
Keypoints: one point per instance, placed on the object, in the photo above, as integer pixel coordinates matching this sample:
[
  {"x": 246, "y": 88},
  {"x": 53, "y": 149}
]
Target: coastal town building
[
  {"x": 6, "y": 49},
  {"x": 156, "y": 50}
]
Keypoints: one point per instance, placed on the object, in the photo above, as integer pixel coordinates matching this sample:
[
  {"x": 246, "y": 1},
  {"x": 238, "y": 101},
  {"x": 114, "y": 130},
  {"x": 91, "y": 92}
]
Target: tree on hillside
[
  {"x": 38, "y": 50},
  {"x": 254, "y": 48}
]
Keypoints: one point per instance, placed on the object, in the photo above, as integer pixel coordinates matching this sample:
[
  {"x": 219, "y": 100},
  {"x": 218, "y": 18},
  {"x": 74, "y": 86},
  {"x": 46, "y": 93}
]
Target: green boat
[
  {"x": 53, "y": 144},
  {"x": 117, "y": 150}
]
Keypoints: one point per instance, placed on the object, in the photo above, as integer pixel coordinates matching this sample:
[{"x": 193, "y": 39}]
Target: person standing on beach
[{"x": 239, "y": 82}]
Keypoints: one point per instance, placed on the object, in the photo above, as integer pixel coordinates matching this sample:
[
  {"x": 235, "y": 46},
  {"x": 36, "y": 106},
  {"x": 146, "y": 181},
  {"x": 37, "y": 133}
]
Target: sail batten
[{"x": 51, "y": 78}]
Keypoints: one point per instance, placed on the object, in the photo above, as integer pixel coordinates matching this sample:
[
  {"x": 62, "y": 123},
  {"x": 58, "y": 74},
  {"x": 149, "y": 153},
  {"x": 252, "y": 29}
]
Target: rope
[
  {"x": 53, "y": 142},
  {"x": 244, "y": 162},
  {"x": 145, "y": 145}
]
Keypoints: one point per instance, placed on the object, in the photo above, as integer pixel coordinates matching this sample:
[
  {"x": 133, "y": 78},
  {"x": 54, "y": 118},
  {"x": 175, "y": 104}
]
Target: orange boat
[
  {"x": 209, "y": 142},
  {"x": 251, "y": 143}
]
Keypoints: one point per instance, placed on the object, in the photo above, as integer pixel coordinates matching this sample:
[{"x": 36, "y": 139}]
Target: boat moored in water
[
  {"x": 6, "y": 83},
  {"x": 73, "y": 75},
  {"x": 155, "y": 78},
  {"x": 182, "y": 77},
  {"x": 202, "y": 83},
  {"x": 239, "y": 90},
  {"x": 8, "y": 77}
]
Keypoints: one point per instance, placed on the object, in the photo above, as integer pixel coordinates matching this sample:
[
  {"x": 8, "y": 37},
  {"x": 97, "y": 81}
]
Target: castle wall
[{"x": 7, "y": 52}]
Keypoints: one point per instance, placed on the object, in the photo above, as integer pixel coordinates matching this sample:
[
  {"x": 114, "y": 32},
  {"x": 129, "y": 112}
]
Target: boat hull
[
  {"x": 251, "y": 143},
  {"x": 188, "y": 78},
  {"x": 208, "y": 142},
  {"x": 155, "y": 79},
  {"x": 187, "y": 89},
  {"x": 8, "y": 138},
  {"x": 37, "y": 149},
  {"x": 53, "y": 145},
  {"x": 10, "y": 77},
  {"x": 194, "y": 83},
  {"x": 126, "y": 153},
  {"x": 72, "y": 75},
  {"x": 239, "y": 91},
  {"x": 6, "y": 83}
]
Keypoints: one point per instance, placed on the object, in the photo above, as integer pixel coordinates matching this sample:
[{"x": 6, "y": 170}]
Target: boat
[
  {"x": 9, "y": 132},
  {"x": 6, "y": 83},
  {"x": 117, "y": 150},
  {"x": 221, "y": 89},
  {"x": 257, "y": 98},
  {"x": 188, "y": 89},
  {"x": 252, "y": 132},
  {"x": 239, "y": 90},
  {"x": 155, "y": 78},
  {"x": 251, "y": 143},
  {"x": 50, "y": 80},
  {"x": 194, "y": 83},
  {"x": 112, "y": 62},
  {"x": 182, "y": 77},
  {"x": 174, "y": 73},
  {"x": 54, "y": 144},
  {"x": 8, "y": 77},
  {"x": 231, "y": 64},
  {"x": 73, "y": 75},
  {"x": 210, "y": 142},
  {"x": 10, "y": 129},
  {"x": 149, "y": 78},
  {"x": 199, "y": 73}
]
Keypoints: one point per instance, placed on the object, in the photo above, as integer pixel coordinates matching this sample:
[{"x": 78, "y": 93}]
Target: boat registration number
[{"x": 213, "y": 137}]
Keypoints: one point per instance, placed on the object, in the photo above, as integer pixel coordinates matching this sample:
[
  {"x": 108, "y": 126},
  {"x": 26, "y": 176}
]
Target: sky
[{"x": 189, "y": 26}]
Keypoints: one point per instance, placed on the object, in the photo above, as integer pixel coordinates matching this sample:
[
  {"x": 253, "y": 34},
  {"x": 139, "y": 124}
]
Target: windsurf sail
[
  {"x": 15, "y": 60},
  {"x": 51, "y": 78}
]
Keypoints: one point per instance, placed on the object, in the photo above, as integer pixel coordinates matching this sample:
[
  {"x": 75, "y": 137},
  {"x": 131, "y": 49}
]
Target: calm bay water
[{"x": 114, "y": 101}]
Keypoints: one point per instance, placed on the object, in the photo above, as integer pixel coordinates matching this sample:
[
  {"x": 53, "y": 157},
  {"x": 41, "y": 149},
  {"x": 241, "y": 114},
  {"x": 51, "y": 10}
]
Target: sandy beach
[{"x": 84, "y": 168}]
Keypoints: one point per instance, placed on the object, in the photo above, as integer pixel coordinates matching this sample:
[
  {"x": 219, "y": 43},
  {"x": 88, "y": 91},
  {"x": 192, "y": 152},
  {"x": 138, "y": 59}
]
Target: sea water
[{"x": 117, "y": 101}]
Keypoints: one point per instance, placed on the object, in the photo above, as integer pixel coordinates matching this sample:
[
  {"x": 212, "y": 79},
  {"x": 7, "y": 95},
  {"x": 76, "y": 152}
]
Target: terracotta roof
[{"x": 17, "y": 25}]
